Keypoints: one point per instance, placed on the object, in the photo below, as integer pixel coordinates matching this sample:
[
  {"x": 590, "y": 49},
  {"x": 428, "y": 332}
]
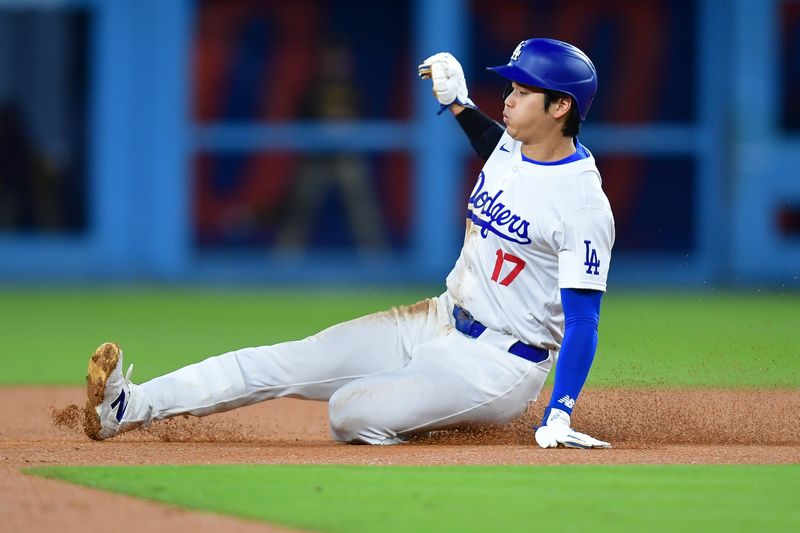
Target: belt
[{"x": 470, "y": 327}]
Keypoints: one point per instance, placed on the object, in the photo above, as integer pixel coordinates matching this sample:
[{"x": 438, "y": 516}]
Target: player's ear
[{"x": 561, "y": 107}]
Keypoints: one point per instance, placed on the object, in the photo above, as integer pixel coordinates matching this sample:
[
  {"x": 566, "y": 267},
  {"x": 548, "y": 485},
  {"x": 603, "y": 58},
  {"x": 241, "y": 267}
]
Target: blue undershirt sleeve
[{"x": 581, "y": 318}]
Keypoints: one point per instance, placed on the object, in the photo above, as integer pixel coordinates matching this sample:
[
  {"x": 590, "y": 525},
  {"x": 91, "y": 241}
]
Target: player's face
[{"x": 525, "y": 117}]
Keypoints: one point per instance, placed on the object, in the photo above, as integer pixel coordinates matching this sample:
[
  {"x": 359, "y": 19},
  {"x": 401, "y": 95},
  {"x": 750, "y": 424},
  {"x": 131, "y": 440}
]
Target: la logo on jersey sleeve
[
  {"x": 585, "y": 253},
  {"x": 592, "y": 263}
]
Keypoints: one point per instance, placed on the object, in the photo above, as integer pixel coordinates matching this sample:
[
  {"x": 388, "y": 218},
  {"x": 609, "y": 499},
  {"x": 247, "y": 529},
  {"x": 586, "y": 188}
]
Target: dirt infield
[{"x": 38, "y": 427}]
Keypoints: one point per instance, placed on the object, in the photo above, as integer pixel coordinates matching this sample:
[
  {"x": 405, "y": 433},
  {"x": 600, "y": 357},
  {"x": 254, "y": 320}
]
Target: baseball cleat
[
  {"x": 556, "y": 433},
  {"x": 108, "y": 392}
]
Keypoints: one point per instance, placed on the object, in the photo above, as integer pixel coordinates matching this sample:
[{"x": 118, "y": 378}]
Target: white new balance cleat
[
  {"x": 556, "y": 433},
  {"x": 108, "y": 393}
]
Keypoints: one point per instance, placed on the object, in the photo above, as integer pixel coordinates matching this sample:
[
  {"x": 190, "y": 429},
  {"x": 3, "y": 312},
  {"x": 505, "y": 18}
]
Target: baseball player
[{"x": 525, "y": 292}]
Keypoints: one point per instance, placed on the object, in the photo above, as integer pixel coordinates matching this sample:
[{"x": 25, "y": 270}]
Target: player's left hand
[
  {"x": 557, "y": 433},
  {"x": 449, "y": 84}
]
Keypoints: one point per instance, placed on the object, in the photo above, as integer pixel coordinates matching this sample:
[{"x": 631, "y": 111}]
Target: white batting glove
[
  {"x": 449, "y": 85},
  {"x": 557, "y": 433}
]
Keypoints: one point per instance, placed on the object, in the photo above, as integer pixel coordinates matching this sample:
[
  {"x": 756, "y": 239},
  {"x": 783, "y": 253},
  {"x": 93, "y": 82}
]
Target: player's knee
[
  {"x": 345, "y": 418},
  {"x": 353, "y": 421}
]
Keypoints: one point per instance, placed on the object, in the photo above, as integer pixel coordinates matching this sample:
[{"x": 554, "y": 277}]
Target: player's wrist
[{"x": 456, "y": 109}]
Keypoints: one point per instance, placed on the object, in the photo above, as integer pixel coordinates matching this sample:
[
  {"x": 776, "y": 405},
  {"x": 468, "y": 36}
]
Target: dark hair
[{"x": 573, "y": 124}]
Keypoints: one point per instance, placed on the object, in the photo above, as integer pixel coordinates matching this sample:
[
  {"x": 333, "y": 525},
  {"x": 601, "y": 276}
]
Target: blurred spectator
[{"x": 333, "y": 96}]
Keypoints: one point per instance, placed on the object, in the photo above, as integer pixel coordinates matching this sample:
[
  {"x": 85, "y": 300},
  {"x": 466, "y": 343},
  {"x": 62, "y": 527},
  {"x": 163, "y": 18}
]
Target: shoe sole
[{"x": 103, "y": 361}]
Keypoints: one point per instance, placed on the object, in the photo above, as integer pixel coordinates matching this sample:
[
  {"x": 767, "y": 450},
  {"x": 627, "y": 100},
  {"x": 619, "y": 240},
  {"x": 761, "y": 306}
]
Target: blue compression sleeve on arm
[{"x": 581, "y": 317}]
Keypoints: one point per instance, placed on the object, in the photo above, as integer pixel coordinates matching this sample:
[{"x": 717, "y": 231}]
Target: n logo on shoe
[{"x": 121, "y": 402}]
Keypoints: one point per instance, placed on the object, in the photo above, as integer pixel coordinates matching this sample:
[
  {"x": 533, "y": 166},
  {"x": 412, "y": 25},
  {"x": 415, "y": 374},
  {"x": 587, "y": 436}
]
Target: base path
[{"x": 41, "y": 426}]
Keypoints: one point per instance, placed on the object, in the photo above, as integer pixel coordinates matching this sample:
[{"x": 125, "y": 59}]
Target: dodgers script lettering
[{"x": 499, "y": 219}]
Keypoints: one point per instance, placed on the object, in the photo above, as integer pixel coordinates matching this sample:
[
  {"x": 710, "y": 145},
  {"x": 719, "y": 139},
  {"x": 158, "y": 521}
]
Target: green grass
[
  {"x": 699, "y": 340},
  {"x": 49, "y": 335},
  {"x": 472, "y": 498},
  {"x": 646, "y": 339}
]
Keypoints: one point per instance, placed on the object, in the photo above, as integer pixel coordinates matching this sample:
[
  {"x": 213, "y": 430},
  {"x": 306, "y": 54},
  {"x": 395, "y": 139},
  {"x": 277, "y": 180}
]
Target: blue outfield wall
[{"x": 143, "y": 140}]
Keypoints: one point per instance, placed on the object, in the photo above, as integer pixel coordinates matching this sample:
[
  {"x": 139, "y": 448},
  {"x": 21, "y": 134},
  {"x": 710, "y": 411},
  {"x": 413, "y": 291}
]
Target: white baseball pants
[{"x": 386, "y": 376}]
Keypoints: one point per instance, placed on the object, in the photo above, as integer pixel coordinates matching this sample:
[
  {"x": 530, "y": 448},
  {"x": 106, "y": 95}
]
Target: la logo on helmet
[{"x": 517, "y": 51}]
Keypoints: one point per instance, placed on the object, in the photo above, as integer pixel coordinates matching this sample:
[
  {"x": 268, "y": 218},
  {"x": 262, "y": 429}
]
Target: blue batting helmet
[{"x": 554, "y": 65}]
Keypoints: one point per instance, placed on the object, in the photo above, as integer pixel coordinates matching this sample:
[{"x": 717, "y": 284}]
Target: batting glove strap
[{"x": 467, "y": 103}]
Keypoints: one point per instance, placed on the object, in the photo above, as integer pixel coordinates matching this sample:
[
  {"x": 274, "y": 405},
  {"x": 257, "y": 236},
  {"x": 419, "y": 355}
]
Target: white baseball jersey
[{"x": 532, "y": 229}]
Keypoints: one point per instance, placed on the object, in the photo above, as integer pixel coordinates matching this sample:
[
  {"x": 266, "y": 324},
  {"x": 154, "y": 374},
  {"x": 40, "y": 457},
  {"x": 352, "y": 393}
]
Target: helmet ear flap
[{"x": 508, "y": 90}]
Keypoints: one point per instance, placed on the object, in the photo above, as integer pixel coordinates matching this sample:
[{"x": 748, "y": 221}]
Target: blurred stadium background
[{"x": 289, "y": 141}]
